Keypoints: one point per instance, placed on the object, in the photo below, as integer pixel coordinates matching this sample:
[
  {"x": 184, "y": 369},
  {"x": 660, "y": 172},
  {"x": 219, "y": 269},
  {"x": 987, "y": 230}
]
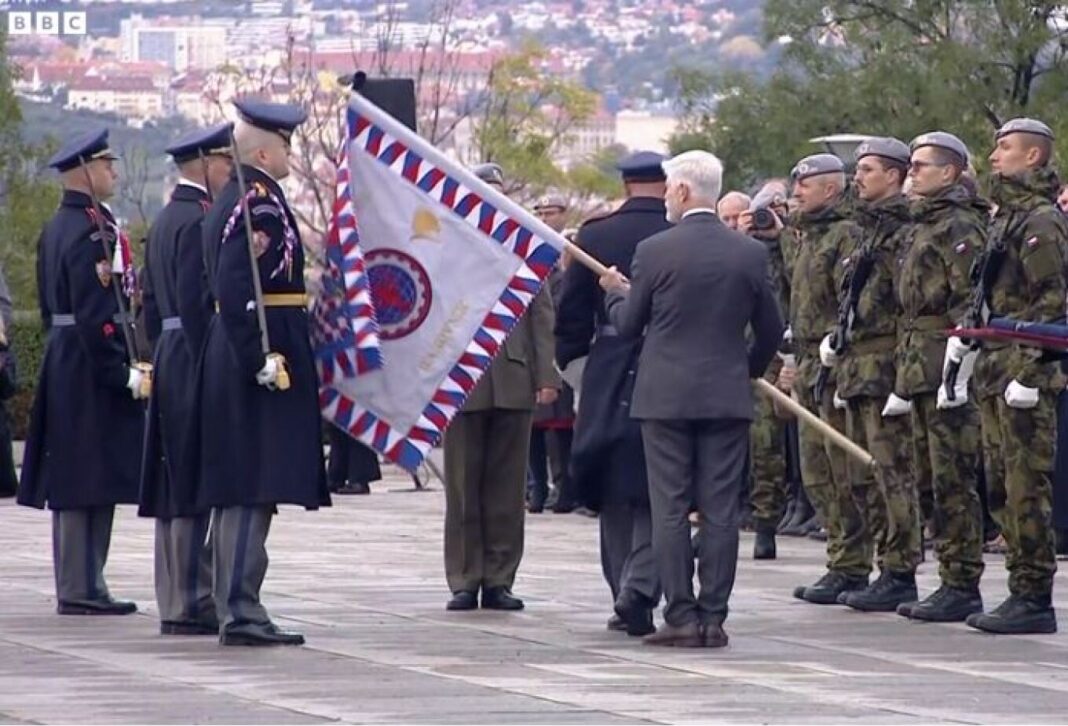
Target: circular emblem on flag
[{"x": 401, "y": 292}]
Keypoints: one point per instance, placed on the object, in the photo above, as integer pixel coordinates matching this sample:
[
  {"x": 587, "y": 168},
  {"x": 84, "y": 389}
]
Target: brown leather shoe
[
  {"x": 684, "y": 636},
  {"x": 714, "y": 636}
]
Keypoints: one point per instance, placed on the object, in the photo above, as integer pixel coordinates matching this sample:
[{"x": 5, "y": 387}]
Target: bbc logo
[{"x": 46, "y": 23}]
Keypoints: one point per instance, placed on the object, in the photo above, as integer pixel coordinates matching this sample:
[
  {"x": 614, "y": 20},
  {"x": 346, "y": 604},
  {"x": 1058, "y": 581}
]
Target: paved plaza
[{"x": 364, "y": 581}]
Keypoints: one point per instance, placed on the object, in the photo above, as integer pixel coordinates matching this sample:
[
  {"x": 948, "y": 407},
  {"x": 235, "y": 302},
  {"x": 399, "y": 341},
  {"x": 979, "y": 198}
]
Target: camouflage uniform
[
  {"x": 887, "y": 497},
  {"x": 767, "y": 435},
  {"x": 1018, "y": 443},
  {"x": 822, "y": 238},
  {"x": 933, "y": 288}
]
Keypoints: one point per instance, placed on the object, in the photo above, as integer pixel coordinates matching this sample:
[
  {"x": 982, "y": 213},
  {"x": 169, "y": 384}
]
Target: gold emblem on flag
[{"x": 425, "y": 226}]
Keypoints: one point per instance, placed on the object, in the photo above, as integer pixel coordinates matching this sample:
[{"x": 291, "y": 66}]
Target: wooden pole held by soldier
[{"x": 778, "y": 397}]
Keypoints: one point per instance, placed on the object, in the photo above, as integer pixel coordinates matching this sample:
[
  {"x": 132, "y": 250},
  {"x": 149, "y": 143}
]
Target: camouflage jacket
[
  {"x": 822, "y": 239},
  {"x": 934, "y": 284},
  {"x": 867, "y": 366},
  {"x": 1030, "y": 283},
  {"x": 780, "y": 283}
]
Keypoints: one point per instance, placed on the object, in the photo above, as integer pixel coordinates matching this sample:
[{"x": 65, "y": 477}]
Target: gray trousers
[
  {"x": 80, "y": 542},
  {"x": 627, "y": 550},
  {"x": 239, "y": 536},
  {"x": 486, "y": 456},
  {"x": 183, "y": 570},
  {"x": 698, "y": 461}
]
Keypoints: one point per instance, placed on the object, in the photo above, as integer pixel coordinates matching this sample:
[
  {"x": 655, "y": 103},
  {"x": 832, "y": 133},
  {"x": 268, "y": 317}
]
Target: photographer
[{"x": 767, "y": 448}]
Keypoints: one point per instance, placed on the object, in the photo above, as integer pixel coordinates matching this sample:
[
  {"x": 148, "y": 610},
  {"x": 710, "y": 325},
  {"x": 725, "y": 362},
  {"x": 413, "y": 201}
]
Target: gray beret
[
  {"x": 490, "y": 173},
  {"x": 815, "y": 165},
  {"x": 1025, "y": 126},
  {"x": 886, "y": 147},
  {"x": 942, "y": 140},
  {"x": 550, "y": 200}
]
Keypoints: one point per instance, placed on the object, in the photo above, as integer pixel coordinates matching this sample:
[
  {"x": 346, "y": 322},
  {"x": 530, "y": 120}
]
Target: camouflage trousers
[
  {"x": 1018, "y": 447},
  {"x": 945, "y": 446},
  {"x": 767, "y": 456},
  {"x": 886, "y": 495},
  {"x": 825, "y": 475}
]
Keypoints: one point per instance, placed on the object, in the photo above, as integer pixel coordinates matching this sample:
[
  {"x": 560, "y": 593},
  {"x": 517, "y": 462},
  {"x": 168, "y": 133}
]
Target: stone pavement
[{"x": 364, "y": 581}]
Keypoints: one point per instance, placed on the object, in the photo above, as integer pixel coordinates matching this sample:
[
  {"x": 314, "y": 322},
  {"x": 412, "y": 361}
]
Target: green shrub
[{"x": 27, "y": 338}]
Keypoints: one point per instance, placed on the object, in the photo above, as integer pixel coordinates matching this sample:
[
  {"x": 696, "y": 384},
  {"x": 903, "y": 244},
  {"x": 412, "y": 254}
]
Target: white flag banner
[{"x": 451, "y": 265}]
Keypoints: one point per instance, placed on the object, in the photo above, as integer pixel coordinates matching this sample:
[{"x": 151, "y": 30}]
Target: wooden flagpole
[{"x": 824, "y": 429}]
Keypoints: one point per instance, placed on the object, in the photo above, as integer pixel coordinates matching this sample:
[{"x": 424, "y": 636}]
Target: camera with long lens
[{"x": 763, "y": 219}]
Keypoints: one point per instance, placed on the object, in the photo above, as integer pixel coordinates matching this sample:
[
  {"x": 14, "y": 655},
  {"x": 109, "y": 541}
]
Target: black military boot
[
  {"x": 945, "y": 605},
  {"x": 885, "y": 594},
  {"x": 1017, "y": 616},
  {"x": 803, "y": 512},
  {"x": 764, "y": 545},
  {"x": 825, "y": 590},
  {"x": 788, "y": 515}
]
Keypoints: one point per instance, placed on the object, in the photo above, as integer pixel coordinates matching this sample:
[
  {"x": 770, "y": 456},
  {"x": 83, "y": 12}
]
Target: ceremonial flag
[{"x": 431, "y": 269}]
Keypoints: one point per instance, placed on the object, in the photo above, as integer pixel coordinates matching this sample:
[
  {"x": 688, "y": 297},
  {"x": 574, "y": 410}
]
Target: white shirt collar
[
  {"x": 698, "y": 210},
  {"x": 182, "y": 181}
]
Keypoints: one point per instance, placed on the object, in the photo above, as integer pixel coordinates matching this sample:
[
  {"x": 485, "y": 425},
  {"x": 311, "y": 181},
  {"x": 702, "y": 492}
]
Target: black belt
[
  {"x": 172, "y": 323},
  {"x": 67, "y": 320}
]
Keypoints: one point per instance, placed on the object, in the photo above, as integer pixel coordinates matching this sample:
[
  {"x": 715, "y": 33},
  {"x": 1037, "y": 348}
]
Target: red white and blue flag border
[{"x": 457, "y": 190}]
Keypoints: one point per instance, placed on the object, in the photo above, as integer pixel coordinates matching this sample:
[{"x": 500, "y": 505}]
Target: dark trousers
[
  {"x": 550, "y": 455},
  {"x": 1060, "y": 468},
  {"x": 350, "y": 461},
  {"x": 698, "y": 461},
  {"x": 486, "y": 455},
  {"x": 627, "y": 559}
]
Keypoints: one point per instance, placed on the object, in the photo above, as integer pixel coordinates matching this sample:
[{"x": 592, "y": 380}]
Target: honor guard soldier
[
  {"x": 1017, "y": 389},
  {"x": 933, "y": 289},
  {"x": 83, "y": 452},
  {"x": 824, "y": 236},
  {"x": 177, "y": 311},
  {"x": 608, "y": 464},
  {"x": 258, "y": 434},
  {"x": 861, "y": 350}
]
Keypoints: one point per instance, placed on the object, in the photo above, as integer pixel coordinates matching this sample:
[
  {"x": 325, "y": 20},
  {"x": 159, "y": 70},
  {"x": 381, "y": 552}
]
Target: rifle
[
  {"x": 125, "y": 319},
  {"x": 852, "y": 286},
  {"x": 984, "y": 272},
  {"x": 282, "y": 381}
]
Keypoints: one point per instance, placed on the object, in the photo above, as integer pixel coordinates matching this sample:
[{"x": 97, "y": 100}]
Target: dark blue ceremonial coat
[
  {"x": 255, "y": 446},
  {"x": 84, "y": 444},
  {"x": 607, "y": 460},
  {"x": 175, "y": 288}
]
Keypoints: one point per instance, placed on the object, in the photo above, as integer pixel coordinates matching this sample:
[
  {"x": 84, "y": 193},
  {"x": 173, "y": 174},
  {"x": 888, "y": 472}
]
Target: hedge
[{"x": 27, "y": 338}]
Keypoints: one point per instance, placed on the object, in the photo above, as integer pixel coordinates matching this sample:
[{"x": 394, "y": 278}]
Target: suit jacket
[
  {"x": 524, "y": 364},
  {"x": 694, "y": 290}
]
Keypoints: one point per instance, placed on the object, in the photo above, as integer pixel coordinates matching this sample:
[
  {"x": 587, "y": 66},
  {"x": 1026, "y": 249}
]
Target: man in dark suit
[
  {"x": 177, "y": 309},
  {"x": 607, "y": 464},
  {"x": 695, "y": 290}
]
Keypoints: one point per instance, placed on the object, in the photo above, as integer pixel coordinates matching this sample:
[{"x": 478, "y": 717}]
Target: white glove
[
  {"x": 133, "y": 382},
  {"x": 956, "y": 349},
  {"x": 788, "y": 335},
  {"x": 839, "y": 402},
  {"x": 960, "y": 397},
  {"x": 268, "y": 375},
  {"x": 1020, "y": 396},
  {"x": 827, "y": 355},
  {"x": 896, "y": 406}
]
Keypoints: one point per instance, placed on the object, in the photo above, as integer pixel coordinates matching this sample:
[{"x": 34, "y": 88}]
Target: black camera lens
[{"x": 763, "y": 219}]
